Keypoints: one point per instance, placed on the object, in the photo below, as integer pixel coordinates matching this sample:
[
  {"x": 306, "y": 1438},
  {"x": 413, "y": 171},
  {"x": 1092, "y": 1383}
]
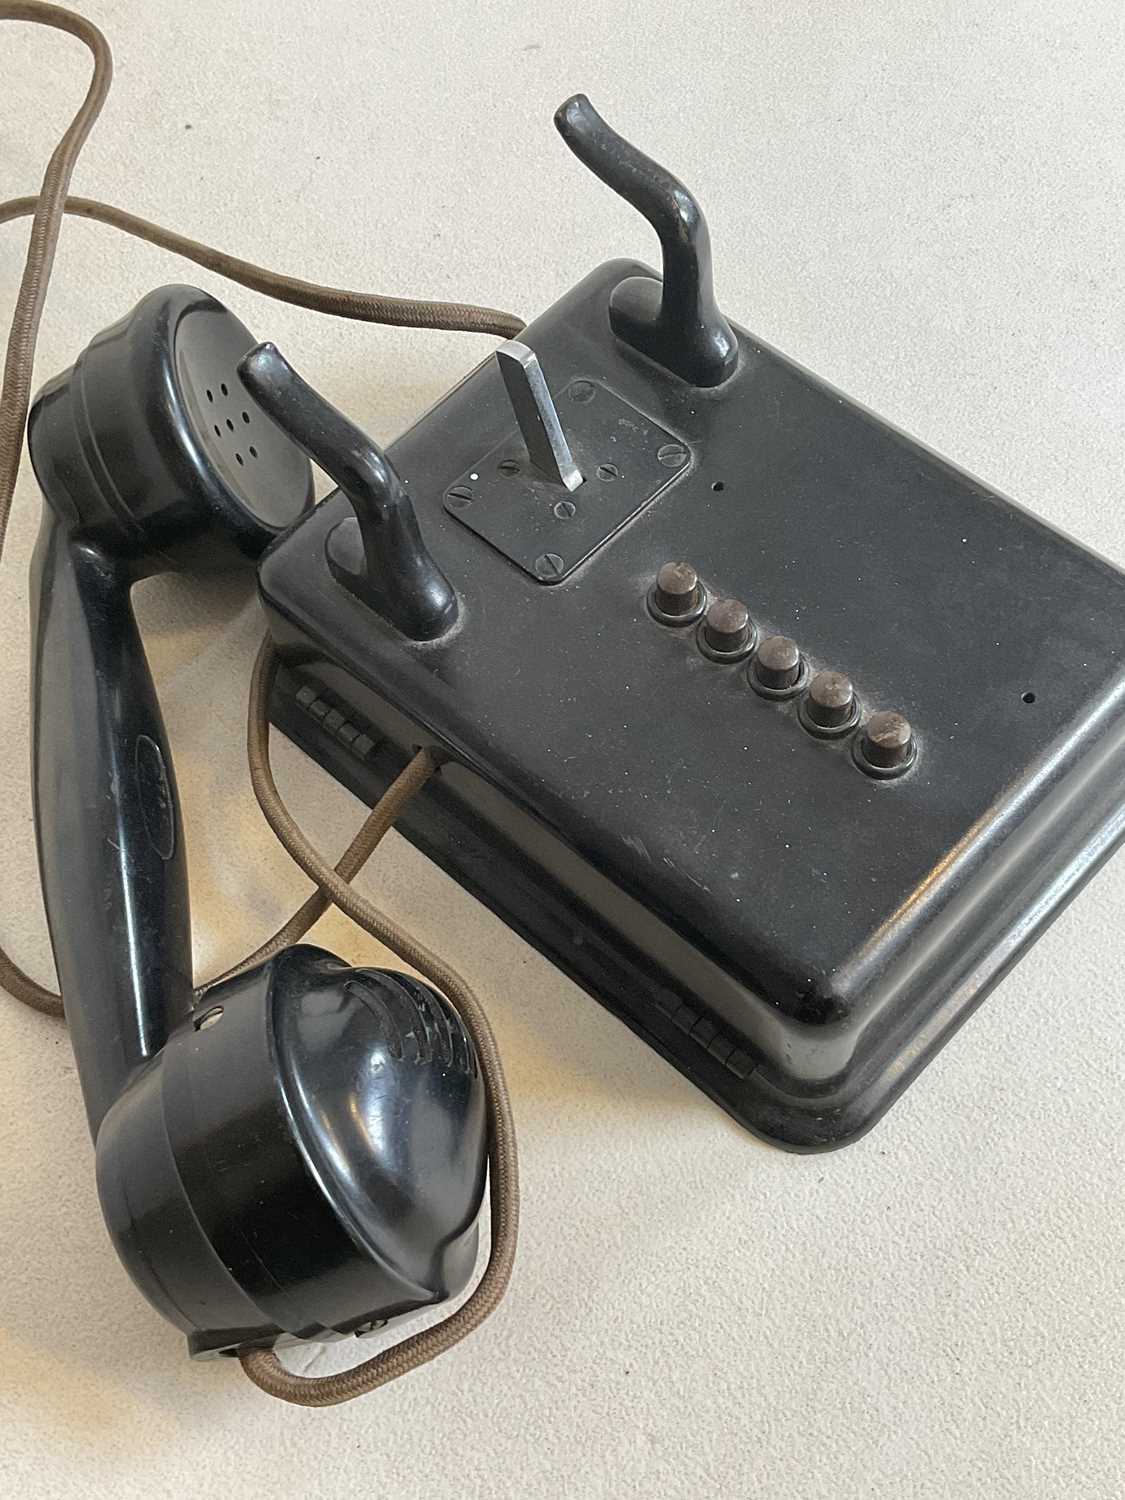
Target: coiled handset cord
[{"x": 47, "y": 210}]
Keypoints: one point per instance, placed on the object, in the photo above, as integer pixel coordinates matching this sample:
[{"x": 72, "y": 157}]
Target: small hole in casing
[
  {"x": 253, "y": 451},
  {"x": 718, "y": 485},
  {"x": 223, "y": 388},
  {"x": 246, "y": 416},
  {"x": 208, "y": 1018},
  {"x": 1029, "y": 697}
]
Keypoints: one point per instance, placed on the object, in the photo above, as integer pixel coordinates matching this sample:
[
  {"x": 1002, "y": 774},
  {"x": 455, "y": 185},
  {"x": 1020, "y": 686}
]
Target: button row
[{"x": 827, "y": 708}]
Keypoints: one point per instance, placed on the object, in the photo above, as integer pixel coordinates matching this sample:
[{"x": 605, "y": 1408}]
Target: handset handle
[{"x": 107, "y": 818}]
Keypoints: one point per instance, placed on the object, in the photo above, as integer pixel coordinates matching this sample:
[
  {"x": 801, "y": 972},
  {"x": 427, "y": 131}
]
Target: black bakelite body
[
  {"x": 300, "y": 1152},
  {"x": 797, "y": 919}
]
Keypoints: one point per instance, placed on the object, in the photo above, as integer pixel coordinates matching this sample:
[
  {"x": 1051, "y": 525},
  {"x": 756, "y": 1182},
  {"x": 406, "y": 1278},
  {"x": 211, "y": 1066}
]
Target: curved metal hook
[
  {"x": 398, "y": 577},
  {"x": 678, "y": 325}
]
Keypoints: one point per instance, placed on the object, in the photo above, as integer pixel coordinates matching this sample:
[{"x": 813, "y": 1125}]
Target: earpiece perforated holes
[{"x": 228, "y": 425}]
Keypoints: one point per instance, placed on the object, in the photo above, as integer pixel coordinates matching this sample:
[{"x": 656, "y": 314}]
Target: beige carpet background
[{"x": 924, "y": 202}]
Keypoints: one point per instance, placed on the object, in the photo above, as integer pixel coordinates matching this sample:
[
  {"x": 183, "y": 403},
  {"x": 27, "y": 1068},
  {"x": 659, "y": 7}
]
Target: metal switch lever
[{"x": 537, "y": 414}]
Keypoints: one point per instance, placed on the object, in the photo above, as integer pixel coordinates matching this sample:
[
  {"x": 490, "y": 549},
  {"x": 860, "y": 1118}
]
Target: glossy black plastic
[
  {"x": 379, "y": 555},
  {"x": 797, "y": 936},
  {"x": 303, "y": 1158},
  {"x": 303, "y": 1151},
  {"x": 675, "y": 321},
  {"x": 133, "y": 449}
]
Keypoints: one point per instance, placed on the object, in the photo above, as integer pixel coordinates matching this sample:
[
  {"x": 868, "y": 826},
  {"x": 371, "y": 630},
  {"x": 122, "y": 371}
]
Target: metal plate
[{"x": 626, "y": 461}]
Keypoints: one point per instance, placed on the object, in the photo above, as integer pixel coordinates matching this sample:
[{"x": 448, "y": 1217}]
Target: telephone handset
[{"x": 355, "y": 1094}]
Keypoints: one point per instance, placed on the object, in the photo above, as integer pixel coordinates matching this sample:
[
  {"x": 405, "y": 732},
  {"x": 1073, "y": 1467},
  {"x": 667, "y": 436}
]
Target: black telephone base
[{"x": 794, "y": 929}]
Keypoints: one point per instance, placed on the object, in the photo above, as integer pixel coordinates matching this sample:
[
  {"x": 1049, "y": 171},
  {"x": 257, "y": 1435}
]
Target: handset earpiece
[
  {"x": 304, "y": 1152},
  {"x": 150, "y": 444}
]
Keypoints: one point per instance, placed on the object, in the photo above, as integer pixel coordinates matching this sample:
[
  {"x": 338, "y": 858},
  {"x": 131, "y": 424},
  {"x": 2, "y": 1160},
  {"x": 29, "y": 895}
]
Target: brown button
[
  {"x": 831, "y": 700},
  {"x": 888, "y": 741},
  {"x": 677, "y": 595},
  {"x": 726, "y": 625},
  {"x": 778, "y": 662}
]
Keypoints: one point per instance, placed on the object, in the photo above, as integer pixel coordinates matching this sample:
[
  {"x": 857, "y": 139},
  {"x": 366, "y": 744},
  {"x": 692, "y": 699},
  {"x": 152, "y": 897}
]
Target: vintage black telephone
[{"x": 740, "y": 715}]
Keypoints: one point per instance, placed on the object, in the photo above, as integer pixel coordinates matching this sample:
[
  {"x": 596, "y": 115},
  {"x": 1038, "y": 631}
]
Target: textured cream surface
[{"x": 923, "y": 202}]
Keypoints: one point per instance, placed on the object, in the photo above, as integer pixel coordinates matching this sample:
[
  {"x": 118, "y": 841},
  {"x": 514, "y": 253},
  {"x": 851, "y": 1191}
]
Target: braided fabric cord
[
  {"x": 46, "y": 210},
  {"x": 263, "y": 1366}
]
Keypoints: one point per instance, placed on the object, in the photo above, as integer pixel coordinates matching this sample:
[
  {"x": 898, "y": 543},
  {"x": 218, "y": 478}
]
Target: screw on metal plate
[
  {"x": 671, "y": 455},
  {"x": 508, "y": 467},
  {"x": 460, "y": 496},
  {"x": 549, "y": 565},
  {"x": 581, "y": 390},
  {"x": 564, "y": 509},
  {"x": 608, "y": 472}
]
